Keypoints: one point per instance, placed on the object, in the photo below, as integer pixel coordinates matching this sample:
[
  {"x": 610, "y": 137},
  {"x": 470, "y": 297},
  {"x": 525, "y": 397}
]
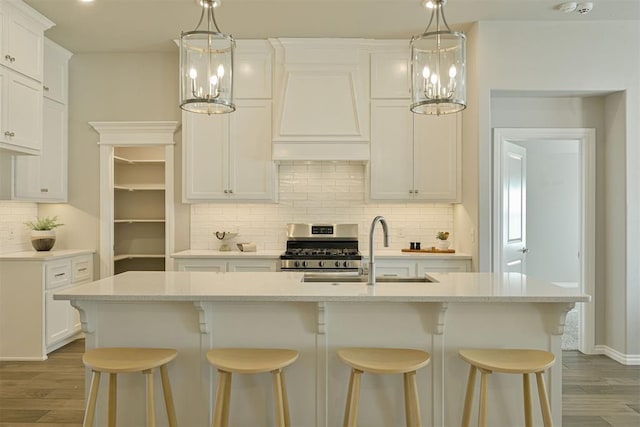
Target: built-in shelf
[
  {"x": 136, "y": 256},
  {"x": 132, "y": 221},
  {"x": 120, "y": 159},
  {"x": 139, "y": 187}
]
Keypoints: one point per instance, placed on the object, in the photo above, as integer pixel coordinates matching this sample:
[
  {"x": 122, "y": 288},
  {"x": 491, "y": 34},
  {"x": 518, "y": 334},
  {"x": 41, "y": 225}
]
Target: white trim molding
[{"x": 625, "y": 359}]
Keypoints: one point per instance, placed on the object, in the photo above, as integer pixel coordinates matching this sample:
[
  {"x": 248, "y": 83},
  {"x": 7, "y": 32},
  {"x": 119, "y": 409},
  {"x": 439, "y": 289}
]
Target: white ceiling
[{"x": 151, "y": 25}]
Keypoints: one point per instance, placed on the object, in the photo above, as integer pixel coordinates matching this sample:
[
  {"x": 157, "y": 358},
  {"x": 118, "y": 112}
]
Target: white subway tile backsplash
[
  {"x": 318, "y": 192},
  {"x": 14, "y": 235}
]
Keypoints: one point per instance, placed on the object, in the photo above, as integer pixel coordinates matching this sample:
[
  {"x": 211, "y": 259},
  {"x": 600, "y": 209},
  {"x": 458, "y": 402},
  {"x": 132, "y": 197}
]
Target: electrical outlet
[{"x": 472, "y": 233}]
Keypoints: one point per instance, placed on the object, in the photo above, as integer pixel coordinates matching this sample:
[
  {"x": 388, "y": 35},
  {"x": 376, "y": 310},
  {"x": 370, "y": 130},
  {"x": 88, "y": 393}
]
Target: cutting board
[{"x": 432, "y": 250}]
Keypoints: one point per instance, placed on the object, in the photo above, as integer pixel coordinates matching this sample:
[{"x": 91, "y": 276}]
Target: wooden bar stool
[
  {"x": 250, "y": 361},
  {"x": 384, "y": 361},
  {"x": 508, "y": 361},
  {"x": 119, "y": 360}
]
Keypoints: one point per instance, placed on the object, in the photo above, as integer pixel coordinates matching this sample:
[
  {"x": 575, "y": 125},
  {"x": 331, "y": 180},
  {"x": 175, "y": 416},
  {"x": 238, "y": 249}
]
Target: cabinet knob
[
  {"x": 44, "y": 190},
  {"x": 410, "y": 191},
  {"x": 415, "y": 191},
  {"x": 45, "y": 88},
  {"x": 9, "y": 58},
  {"x": 226, "y": 191},
  {"x": 7, "y": 133},
  {"x": 230, "y": 191}
]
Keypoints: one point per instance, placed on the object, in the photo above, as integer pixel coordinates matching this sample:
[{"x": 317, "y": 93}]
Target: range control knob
[
  {"x": 337, "y": 263},
  {"x": 296, "y": 263},
  {"x": 320, "y": 263},
  {"x": 346, "y": 264},
  {"x": 304, "y": 263}
]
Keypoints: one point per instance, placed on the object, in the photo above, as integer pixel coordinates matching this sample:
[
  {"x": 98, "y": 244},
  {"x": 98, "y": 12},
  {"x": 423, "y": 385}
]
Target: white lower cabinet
[
  {"x": 227, "y": 264},
  {"x": 419, "y": 267},
  {"x": 27, "y": 287}
]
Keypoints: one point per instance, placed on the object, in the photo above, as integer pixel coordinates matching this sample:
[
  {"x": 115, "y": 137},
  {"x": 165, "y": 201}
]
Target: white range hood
[{"x": 321, "y": 99}]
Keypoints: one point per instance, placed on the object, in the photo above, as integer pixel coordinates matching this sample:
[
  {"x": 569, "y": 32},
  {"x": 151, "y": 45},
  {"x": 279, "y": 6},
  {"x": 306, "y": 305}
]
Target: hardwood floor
[{"x": 597, "y": 391}]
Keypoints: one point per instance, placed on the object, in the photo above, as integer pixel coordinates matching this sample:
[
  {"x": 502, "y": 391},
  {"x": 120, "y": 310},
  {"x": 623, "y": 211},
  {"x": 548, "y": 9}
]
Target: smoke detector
[
  {"x": 583, "y": 8},
  {"x": 568, "y": 7}
]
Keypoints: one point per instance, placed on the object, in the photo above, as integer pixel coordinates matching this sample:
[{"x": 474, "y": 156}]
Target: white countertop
[
  {"x": 44, "y": 255},
  {"x": 284, "y": 286},
  {"x": 275, "y": 254}
]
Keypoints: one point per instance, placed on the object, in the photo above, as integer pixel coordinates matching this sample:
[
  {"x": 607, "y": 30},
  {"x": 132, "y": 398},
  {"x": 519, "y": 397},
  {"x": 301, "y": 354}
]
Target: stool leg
[
  {"x": 168, "y": 397},
  {"x": 151, "y": 410},
  {"x": 113, "y": 399},
  {"x": 351, "y": 411},
  {"x": 468, "y": 399},
  {"x": 528, "y": 416},
  {"x": 482, "y": 414},
  {"x": 90, "y": 412},
  {"x": 221, "y": 409},
  {"x": 412, "y": 403},
  {"x": 285, "y": 401},
  {"x": 277, "y": 389},
  {"x": 544, "y": 400}
]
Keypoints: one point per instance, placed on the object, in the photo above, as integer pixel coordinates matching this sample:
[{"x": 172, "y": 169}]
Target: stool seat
[
  {"x": 122, "y": 360},
  {"x": 127, "y": 359},
  {"x": 384, "y": 360},
  {"x": 509, "y": 361},
  {"x": 251, "y": 360},
  {"x": 230, "y": 361},
  {"x": 380, "y": 360}
]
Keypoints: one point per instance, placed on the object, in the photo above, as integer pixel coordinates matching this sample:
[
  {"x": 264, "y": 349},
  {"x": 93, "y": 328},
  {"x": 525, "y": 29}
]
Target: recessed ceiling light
[
  {"x": 583, "y": 8},
  {"x": 86, "y": 1}
]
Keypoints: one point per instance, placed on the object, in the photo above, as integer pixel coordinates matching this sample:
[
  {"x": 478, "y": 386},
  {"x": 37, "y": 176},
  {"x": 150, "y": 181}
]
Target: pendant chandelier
[
  {"x": 206, "y": 66},
  {"x": 438, "y": 67}
]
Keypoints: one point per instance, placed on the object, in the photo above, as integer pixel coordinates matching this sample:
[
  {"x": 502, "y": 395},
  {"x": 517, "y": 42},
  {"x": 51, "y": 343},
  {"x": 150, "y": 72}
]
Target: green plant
[
  {"x": 47, "y": 223},
  {"x": 442, "y": 235}
]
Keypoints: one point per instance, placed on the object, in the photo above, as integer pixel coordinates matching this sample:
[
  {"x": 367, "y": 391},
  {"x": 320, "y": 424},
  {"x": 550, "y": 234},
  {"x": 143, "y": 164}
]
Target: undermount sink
[{"x": 335, "y": 278}]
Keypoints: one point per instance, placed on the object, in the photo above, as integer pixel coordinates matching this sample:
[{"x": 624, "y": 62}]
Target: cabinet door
[
  {"x": 391, "y": 169},
  {"x": 58, "y": 321},
  {"x": 437, "y": 145},
  {"x": 205, "y": 156},
  {"x": 252, "y": 265},
  {"x": 22, "y": 44},
  {"x": 22, "y": 110},
  {"x": 202, "y": 265},
  {"x": 55, "y": 80},
  {"x": 44, "y": 178},
  {"x": 252, "y": 174},
  {"x": 399, "y": 268},
  {"x": 390, "y": 74},
  {"x": 438, "y": 266},
  {"x": 252, "y": 69}
]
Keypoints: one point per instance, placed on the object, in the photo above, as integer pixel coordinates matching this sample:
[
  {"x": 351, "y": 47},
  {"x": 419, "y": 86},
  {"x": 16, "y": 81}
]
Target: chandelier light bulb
[
  {"x": 193, "y": 74},
  {"x": 425, "y": 72},
  {"x": 453, "y": 71},
  {"x": 220, "y": 71},
  {"x": 434, "y": 78}
]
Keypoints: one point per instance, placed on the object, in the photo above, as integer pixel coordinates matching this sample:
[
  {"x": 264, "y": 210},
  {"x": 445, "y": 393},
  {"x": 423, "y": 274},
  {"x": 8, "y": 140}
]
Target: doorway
[{"x": 544, "y": 194}]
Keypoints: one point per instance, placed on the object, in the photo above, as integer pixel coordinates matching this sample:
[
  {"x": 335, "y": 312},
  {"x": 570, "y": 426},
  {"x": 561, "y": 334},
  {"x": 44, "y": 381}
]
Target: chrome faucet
[{"x": 372, "y": 264}]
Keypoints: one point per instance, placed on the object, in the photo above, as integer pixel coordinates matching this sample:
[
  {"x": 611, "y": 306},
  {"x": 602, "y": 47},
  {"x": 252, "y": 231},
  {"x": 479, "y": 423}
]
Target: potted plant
[
  {"x": 43, "y": 235},
  {"x": 443, "y": 240}
]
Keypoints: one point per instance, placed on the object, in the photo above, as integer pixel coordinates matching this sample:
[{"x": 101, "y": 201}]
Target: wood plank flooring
[{"x": 597, "y": 391}]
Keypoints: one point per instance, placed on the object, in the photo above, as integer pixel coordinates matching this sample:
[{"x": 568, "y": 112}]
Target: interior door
[{"x": 514, "y": 208}]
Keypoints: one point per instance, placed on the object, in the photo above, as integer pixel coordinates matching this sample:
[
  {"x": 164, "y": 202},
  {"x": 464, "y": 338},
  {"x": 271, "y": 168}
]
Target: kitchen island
[{"x": 196, "y": 311}]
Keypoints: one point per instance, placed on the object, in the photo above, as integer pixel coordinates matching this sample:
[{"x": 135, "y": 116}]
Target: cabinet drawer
[
  {"x": 82, "y": 269},
  {"x": 57, "y": 274}
]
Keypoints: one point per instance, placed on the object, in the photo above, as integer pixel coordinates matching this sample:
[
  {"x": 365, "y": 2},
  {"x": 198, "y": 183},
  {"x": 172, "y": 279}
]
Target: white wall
[
  {"x": 571, "y": 57},
  {"x": 319, "y": 192}
]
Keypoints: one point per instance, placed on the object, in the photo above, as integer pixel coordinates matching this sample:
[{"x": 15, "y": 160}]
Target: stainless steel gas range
[{"x": 322, "y": 248}]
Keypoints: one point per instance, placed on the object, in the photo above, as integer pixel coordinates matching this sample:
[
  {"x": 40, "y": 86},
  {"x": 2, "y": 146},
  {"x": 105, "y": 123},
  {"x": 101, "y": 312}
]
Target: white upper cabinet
[
  {"x": 56, "y": 76},
  {"x": 321, "y": 102},
  {"x": 20, "y": 113},
  {"x": 390, "y": 74},
  {"x": 414, "y": 157},
  {"x": 22, "y": 35},
  {"x": 43, "y": 178},
  {"x": 228, "y": 157},
  {"x": 252, "y": 69}
]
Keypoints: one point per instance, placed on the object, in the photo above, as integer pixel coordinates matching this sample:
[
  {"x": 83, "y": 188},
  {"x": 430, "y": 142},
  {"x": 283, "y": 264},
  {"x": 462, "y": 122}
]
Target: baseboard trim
[{"x": 625, "y": 359}]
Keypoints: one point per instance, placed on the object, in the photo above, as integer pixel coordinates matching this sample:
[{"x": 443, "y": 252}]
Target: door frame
[{"x": 586, "y": 138}]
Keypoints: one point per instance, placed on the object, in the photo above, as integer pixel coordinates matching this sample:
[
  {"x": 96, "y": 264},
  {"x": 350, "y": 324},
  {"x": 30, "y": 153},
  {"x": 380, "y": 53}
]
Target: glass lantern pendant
[
  {"x": 206, "y": 66},
  {"x": 438, "y": 67}
]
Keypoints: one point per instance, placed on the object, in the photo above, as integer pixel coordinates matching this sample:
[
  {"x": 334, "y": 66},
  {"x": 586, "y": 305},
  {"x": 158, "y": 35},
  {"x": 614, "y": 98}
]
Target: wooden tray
[{"x": 432, "y": 250}]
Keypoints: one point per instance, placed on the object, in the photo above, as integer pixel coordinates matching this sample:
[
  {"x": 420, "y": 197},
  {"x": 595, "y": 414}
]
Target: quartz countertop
[
  {"x": 275, "y": 254},
  {"x": 44, "y": 255},
  {"x": 288, "y": 286}
]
